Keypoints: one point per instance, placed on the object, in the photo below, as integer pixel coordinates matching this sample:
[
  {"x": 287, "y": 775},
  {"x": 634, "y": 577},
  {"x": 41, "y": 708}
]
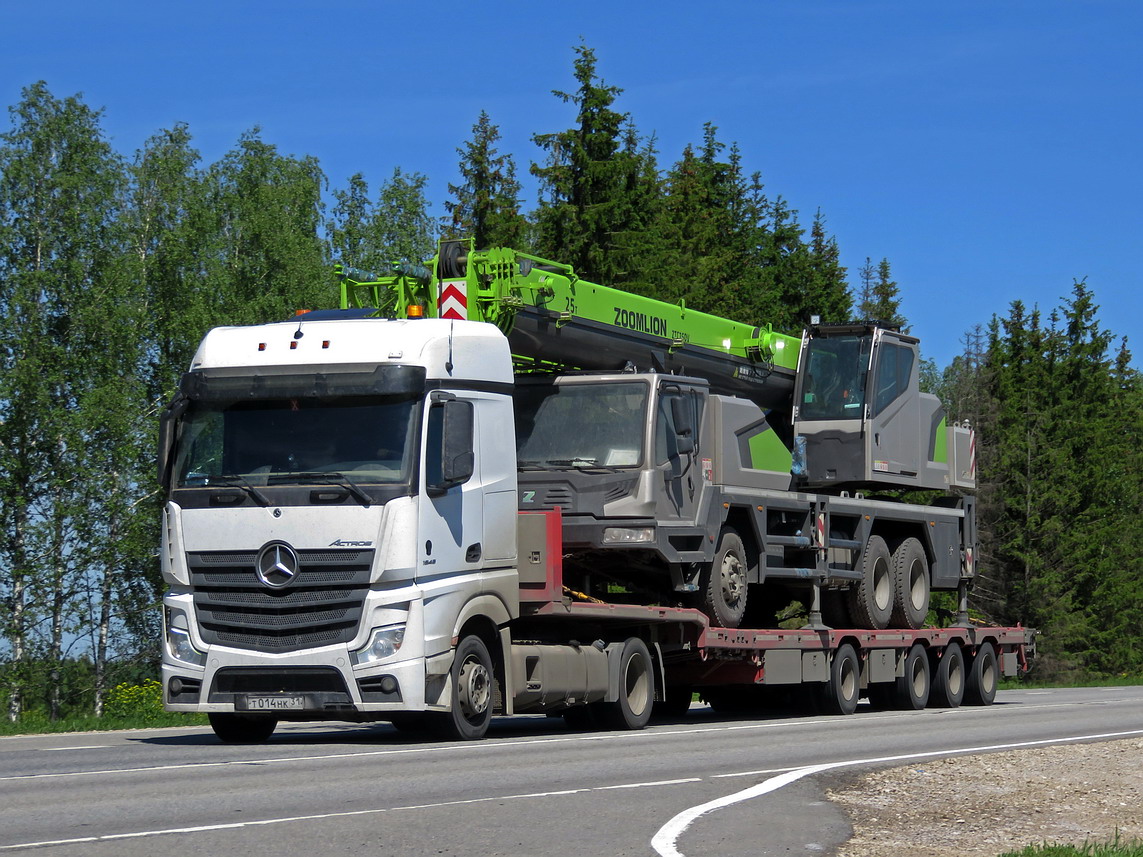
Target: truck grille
[{"x": 321, "y": 607}]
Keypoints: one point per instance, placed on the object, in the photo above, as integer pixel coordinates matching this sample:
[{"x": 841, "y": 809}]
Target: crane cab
[{"x": 860, "y": 419}]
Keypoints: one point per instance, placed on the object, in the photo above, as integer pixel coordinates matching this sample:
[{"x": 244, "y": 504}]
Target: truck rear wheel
[
  {"x": 913, "y": 687},
  {"x": 983, "y": 676},
  {"x": 242, "y": 728},
  {"x": 949, "y": 678},
  {"x": 911, "y": 588},
  {"x": 841, "y": 692},
  {"x": 871, "y": 598},
  {"x": 632, "y": 710},
  {"x": 471, "y": 700},
  {"x": 723, "y": 583}
]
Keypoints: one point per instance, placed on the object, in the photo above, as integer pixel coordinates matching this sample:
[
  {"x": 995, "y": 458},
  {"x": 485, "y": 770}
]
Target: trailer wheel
[
  {"x": 242, "y": 728},
  {"x": 983, "y": 676},
  {"x": 949, "y": 678},
  {"x": 471, "y": 699},
  {"x": 841, "y": 692},
  {"x": 871, "y": 598},
  {"x": 723, "y": 583},
  {"x": 632, "y": 710},
  {"x": 911, "y": 588},
  {"x": 913, "y": 687}
]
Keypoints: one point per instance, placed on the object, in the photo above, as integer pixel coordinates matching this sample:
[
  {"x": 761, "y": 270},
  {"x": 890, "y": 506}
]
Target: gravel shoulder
[{"x": 982, "y": 806}]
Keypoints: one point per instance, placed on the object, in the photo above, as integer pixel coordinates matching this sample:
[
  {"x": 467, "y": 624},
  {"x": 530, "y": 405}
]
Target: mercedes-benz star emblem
[{"x": 277, "y": 564}]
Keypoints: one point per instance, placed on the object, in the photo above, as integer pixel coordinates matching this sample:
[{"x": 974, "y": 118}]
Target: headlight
[
  {"x": 383, "y": 643},
  {"x": 628, "y": 535},
  {"x": 179, "y": 642}
]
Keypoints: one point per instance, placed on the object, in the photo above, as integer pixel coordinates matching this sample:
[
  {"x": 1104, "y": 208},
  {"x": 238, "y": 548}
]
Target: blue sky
[{"x": 990, "y": 150}]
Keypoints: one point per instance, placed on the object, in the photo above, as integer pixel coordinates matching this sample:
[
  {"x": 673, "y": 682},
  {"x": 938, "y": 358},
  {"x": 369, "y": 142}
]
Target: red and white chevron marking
[
  {"x": 453, "y": 302},
  {"x": 972, "y": 454}
]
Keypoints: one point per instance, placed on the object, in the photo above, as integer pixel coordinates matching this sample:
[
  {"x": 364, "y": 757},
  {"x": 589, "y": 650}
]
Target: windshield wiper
[
  {"x": 335, "y": 477},
  {"x": 240, "y": 482},
  {"x": 567, "y": 464}
]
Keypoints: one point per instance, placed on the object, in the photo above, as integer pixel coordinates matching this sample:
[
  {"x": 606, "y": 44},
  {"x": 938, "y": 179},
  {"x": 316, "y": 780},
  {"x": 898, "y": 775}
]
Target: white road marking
[
  {"x": 205, "y": 828},
  {"x": 492, "y": 744},
  {"x": 65, "y": 749},
  {"x": 664, "y": 841}
]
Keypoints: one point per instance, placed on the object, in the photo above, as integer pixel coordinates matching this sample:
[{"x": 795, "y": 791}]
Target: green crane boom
[{"x": 555, "y": 320}]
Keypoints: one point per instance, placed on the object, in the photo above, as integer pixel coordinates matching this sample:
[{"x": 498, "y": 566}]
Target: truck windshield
[
  {"x": 363, "y": 439},
  {"x": 834, "y": 385},
  {"x": 580, "y": 425}
]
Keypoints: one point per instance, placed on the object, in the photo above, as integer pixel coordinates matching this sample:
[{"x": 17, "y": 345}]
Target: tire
[
  {"x": 724, "y": 583},
  {"x": 871, "y": 598},
  {"x": 632, "y": 710},
  {"x": 911, "y": 587},
  {"x": 949, "y": 678},
  {"x": 674, "y": 706},
  {"x": 983, "y": 677},
  {"x": 472, "y": 687},
  {"x": 242, "y": 728},
  {"x": 841, "y": 692},
  {"x": 912, "y": 691}
]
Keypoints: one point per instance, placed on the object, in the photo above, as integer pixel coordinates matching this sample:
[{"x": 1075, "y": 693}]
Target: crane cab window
[
  {"x": 834, "y": 384},
  {"x": 894, "y": 370}
]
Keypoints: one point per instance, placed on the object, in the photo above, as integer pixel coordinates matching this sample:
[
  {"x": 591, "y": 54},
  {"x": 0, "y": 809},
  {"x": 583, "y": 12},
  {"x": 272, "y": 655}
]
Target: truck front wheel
[
  {"x": 242, "y": 728},
  {"x": 471, "y": 701},
  {"x": 724, "y": 582}
]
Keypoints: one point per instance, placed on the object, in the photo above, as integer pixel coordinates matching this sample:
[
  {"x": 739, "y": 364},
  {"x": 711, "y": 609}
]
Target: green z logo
[{"x": 529, "y": 496}]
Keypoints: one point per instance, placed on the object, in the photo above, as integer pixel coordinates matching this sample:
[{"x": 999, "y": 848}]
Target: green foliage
[
  {"x": 1115, "y": 848},
  {"x": 140, "y": 701},
  {"x": 486, "y": 205}
]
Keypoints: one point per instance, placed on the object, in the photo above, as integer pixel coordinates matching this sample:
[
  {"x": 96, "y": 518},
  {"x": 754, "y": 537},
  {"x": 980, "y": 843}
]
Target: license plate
[{"x": 274, "y": 703}]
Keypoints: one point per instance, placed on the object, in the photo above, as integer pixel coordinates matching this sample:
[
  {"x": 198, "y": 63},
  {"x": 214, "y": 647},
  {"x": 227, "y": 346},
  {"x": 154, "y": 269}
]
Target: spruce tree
[
  {"x": 587, "y": 208},
  {"x": 486, "y": 204}
]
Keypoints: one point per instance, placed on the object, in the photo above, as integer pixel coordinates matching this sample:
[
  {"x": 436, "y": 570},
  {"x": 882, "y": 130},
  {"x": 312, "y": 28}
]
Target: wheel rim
[
  {"x": 732, "y": 580},
  {"x": 475, "y": 688},
  {"x": 988, "y": 675},
  {"x": 956, "y": 676},
  {"x": 848, "y": 684},
  {"x": 918, "y": 678},
  {"x": 637, "y": 685},
  {"x": 918, "y": 585},
  {"x": 882, "y": 585}
]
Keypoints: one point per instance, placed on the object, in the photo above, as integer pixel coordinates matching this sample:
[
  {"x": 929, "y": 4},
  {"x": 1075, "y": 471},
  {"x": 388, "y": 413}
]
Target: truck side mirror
[
  {"x": 451, "y": 457},
  {"x": 682, "y": 414}
]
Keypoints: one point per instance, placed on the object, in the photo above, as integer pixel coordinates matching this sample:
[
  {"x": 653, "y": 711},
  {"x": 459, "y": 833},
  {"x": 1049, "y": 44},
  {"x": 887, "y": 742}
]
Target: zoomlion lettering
[{"x": 641, "y": 322}]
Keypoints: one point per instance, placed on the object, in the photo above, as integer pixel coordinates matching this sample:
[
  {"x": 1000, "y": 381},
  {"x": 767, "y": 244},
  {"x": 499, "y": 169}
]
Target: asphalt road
[{"x": 531, "y": 788}]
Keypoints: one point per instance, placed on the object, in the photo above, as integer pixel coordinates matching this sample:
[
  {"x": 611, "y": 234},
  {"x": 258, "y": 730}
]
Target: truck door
[
  {"x": 451, "y": 504},
  {"x": 678, "y": 415},
  {"x": 895, "y": 408}
]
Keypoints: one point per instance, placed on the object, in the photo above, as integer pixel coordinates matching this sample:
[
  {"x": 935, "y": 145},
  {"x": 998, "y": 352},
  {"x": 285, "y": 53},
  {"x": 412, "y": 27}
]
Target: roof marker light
[{"x": 415, "y": 311}]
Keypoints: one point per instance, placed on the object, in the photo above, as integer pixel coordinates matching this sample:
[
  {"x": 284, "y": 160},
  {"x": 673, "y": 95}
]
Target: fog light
[
  {"x": 628, "y": 535},
  {"x": 383, "y": 643},
  {"x": 388, "y": 684}
]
